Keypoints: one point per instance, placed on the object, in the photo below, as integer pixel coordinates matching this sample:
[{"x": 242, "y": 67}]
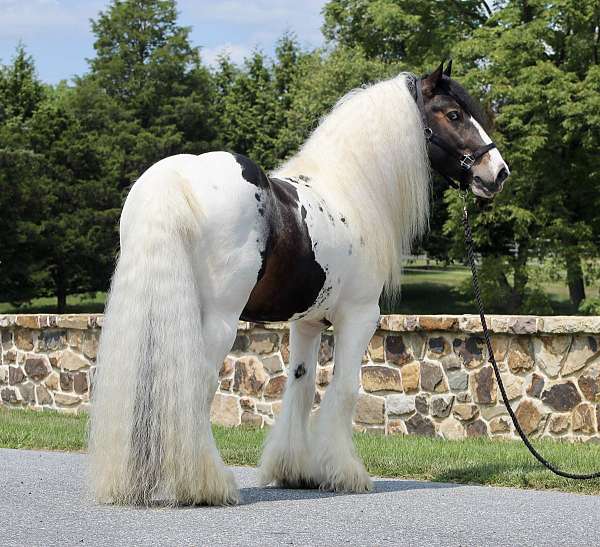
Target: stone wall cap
[{"x": 469, "y": 323}]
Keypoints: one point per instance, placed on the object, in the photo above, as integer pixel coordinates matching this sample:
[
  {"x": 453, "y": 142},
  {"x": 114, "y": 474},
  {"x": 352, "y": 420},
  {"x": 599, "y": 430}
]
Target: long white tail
[{"x": 150, "y": 433}]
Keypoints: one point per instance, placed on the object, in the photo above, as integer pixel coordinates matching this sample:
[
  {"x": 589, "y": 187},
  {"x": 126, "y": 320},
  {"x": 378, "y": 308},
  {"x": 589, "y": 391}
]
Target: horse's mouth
[{"x": 483, "y": 191}]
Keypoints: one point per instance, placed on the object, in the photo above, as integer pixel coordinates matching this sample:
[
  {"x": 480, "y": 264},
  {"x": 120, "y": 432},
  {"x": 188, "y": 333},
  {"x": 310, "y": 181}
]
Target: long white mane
[{"x": 368, "y": 158}]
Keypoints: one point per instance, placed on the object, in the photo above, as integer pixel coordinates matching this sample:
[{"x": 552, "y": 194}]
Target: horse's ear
[
  {"x": 448, "y": 69},
  {"x": 431, "y": 81}
]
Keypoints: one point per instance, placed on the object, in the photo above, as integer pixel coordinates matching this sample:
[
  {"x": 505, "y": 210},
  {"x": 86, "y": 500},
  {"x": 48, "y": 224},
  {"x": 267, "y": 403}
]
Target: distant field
[
  {"x": 77, "y": 303},
  {"x": 426, "y": 290},
  {"x": 438, "y": 289}
]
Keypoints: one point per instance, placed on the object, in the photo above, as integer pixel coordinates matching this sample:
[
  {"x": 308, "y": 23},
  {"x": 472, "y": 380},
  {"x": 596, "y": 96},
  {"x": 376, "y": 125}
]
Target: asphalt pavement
[{"x": 43, "y": 502}]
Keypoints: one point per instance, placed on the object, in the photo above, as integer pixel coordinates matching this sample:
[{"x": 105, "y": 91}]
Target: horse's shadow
[
  {"x": 458, "y": 477},
  {"x": 478, "y": 475},
  {"x": 257, "y": 494}
]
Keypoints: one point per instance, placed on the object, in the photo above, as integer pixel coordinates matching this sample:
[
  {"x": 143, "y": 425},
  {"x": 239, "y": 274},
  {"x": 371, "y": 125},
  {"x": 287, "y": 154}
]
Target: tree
[
  {"x": 145, "y": 62},
  {"x": 536, "y": 65},
  {"x": 417, "y": 33},
  {"x": 321, "y": 79},
  {"x": 81, "y": 200},
  {"x": 248, "y": 120},
  {"x": 21, "y": 93},
  {"x": 20, "y": 89},
  {"x": 254, "y": 103}
]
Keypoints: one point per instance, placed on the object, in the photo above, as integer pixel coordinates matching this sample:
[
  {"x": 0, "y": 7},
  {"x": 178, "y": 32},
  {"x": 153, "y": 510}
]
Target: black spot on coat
[{"x": 300, "y": 371}]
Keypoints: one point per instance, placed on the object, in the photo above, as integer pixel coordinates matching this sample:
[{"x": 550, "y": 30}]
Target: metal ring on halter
[
  {"x": 467, "y": 162},
  {"x": 428, "y": 132}
]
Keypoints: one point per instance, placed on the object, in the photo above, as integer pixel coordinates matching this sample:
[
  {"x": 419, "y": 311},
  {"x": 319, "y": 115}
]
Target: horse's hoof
[{"x": 351, "y": 478}]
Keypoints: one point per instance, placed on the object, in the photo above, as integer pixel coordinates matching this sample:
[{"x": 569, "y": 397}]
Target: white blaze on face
[{"x": 489, "y": 167}]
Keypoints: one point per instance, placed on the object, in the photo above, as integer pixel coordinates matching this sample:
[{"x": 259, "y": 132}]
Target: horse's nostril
[{"x": 501, "y": 176}]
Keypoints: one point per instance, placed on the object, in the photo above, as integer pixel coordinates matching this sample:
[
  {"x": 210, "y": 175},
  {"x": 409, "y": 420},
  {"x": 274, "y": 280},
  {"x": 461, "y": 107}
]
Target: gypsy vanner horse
[{"x": 209, "y": 239}]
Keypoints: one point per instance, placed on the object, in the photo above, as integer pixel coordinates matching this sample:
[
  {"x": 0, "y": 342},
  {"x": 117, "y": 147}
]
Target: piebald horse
[{"x": 206, "y": 240}]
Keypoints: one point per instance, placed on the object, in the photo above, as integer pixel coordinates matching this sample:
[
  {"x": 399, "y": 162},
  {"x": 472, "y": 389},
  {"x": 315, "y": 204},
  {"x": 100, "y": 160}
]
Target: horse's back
[
  {"x": 214, "y": 177},
  {"x": 214, "y": 188}
]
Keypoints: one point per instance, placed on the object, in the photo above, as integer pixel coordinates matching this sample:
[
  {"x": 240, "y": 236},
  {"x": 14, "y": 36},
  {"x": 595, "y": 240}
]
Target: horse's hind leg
[
  {"x": 286, "y": 459},
  {"x": 207, "y": 480},
  {"x": 204, "y": 479},
  {"x": 339, "y": 465}
]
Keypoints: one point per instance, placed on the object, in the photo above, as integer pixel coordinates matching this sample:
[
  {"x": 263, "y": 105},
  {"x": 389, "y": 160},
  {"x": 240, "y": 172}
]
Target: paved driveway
[{"x": 43, "y": 502}]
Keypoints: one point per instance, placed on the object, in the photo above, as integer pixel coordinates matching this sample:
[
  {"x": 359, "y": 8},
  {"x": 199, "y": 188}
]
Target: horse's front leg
[
  {"x": 339, "y": 466},
  {"x": 286, "y": 460}
]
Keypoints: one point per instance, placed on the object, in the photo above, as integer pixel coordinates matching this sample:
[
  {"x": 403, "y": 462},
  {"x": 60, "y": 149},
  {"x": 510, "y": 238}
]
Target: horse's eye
[{"x": 453, "y": 115}]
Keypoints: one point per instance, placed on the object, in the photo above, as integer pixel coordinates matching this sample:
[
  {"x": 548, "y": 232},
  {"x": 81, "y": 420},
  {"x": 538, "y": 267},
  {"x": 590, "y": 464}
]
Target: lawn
[
  {"x": 473, "y": 461},
  {"x": 426, "y": 289}
]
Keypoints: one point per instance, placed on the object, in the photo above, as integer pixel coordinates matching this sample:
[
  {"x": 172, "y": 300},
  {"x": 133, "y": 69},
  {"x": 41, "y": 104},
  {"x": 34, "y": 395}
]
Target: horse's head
[{"x": 458, "y": 144}]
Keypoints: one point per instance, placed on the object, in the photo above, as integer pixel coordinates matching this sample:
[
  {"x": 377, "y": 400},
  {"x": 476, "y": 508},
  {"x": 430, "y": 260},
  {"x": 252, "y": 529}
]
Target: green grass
[
  {"x": 470, "y": 461},
  {"x": 479, "y": 461},
  {"x": 432, "y": 290},
  {"x": 76, "y": 303},
  {"x": 47, "y": 430}
]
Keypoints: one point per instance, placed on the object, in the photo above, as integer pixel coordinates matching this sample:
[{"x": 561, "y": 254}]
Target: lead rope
[{"x": 492, "y": 359}]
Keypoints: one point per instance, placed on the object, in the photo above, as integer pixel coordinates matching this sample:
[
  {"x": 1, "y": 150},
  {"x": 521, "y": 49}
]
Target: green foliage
[
  {"x": 420, "y": 34},
  {"x": 81, "y": 201},
  {"x": 321, "y": 80},
  {"x": 21, "y": 93},
  {"x": 535, "y": 67},
  {"x": 249, "y": 115},
  {"x": 503, "y": 293},
  {"x": 590, "y": 306},
  {"x": 144, "y": 62},
  {"x": 20, "y": 89}
]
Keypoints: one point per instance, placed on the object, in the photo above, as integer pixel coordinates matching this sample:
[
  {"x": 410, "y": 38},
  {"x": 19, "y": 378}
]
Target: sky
[{"x": 57, "y": 32}]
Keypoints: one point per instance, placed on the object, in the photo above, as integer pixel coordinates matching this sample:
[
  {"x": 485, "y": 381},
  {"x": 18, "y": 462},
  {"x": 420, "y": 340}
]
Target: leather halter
[{"x": 466, "y": 161}]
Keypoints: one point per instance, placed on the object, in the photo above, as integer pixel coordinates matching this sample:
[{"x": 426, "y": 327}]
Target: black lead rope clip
[{"x": 492, "y": 358}]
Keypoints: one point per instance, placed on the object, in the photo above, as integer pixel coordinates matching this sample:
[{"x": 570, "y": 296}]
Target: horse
[{"x": 208, "y": 239}]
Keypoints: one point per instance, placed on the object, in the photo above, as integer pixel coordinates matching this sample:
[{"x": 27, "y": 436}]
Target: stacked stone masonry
[{"x": 421, "y": 375}]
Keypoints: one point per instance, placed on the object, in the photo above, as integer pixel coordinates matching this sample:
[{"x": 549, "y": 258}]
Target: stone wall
[{"x": 423, "y": 375}]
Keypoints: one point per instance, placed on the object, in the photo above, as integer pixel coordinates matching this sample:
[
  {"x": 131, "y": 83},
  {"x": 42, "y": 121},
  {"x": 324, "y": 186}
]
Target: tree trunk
[
  {"x": 61, "y": 301},
  {"x": 520, "y": 280},
  {"x": 61, "y": 291},
  {"x": 575, "y": 280}
]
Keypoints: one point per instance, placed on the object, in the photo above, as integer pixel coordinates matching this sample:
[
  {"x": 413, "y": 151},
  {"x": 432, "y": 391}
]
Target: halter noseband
[{"x": 466, "y": 161}]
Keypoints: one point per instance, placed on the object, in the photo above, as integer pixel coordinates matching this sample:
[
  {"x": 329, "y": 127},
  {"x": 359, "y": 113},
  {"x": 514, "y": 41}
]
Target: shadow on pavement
[{"x": 256, "y": 494}]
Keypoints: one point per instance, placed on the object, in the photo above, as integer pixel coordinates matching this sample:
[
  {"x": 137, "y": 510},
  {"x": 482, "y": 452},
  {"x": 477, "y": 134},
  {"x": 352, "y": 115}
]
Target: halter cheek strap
[{"x": 466, "y": 161}]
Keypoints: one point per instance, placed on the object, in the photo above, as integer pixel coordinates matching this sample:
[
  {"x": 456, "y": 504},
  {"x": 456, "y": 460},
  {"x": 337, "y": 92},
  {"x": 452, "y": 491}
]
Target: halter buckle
[
  {"x": 467, "y": 162},
  {"x": 428, "y": 133}
]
